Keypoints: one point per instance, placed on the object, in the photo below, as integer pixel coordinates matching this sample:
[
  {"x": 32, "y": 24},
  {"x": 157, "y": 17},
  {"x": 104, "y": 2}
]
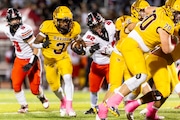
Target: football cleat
[
  {"x": 44, "y": 101},
  {"x": 95, "y": 109},
  {"x": 130, "y": 116},
  {"x": 160, "y": 117},
  {"x": 114, "y": 111},
  {"x": 156, "y": 118},
  {"x": 143, "y": 112},
  {"x": 97, "y": 118},
  {"x": 90, "y": 111},
  {"x": 23, "y": 109},
  {"x": 71, "y": 113},
  {"x": 62, "y": 112}
]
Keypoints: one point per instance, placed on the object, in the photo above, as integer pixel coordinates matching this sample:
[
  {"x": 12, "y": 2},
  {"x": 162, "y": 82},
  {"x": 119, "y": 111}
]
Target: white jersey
[
  {"x": 90, "y": 39},
  {"x": 22, "y": 48}
]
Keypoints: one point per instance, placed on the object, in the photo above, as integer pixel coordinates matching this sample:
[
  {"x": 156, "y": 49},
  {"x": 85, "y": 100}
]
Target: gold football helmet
[
  {"x": 63, "y": 17},
  {"x": 172, "y": 8},
  {"x": 137, "y": 8}
]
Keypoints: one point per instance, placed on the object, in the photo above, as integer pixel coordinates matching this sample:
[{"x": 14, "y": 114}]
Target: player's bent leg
[
  {"x": 38, "y": 91},
  {"x": 43, "y": 98},
  {"x": 130, "y": 85}
]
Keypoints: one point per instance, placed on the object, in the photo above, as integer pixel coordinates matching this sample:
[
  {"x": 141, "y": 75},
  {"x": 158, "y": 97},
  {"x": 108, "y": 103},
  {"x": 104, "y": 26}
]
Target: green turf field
[{"x": 9, "y": 107}]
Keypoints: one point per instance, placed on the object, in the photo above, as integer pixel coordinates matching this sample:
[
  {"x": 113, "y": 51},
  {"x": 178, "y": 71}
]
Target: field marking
[
  {"x": 39, "y": 102},
  {"x": 37, "y": 112}
]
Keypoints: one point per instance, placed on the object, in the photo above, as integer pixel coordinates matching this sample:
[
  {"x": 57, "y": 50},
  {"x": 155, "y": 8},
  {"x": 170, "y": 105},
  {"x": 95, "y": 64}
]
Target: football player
[
  {"x": 144, "y": 37},
  {"x": 162, "y": 69},
  {"x": 99, "y": 40},
  {"x": 54, "y": 37},
  {"x": 27, "y": 62},
  {"x": 124, "y": 25}
]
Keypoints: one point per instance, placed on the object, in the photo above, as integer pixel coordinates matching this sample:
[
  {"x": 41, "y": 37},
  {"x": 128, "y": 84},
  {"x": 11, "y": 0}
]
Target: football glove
[
  {"x": 46, "y": 43},
  {"x": 94, "y": 48},
  {"x": 79, "y": 51},
  {"x": 32, "y": 61},
  {"x": 78, "y": 47},
  {"x": 106, "y": 50}
]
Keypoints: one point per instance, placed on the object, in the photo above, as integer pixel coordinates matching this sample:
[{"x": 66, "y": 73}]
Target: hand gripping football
[{"x": 78, "y": 47}]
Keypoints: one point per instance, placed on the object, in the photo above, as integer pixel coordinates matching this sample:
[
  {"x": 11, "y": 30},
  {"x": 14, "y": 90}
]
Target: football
[{"x": 78, "y": 46}]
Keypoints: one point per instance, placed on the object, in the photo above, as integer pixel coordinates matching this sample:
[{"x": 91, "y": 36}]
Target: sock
[
  {"x": 68, "y": 105},
  {"x": 151, "y": 110},
  {"x": 68, "y": 87},
  {"x": 63, "y": 103},
  {"x": 41, "y": 93},
  {"x": 115, "y": 100},
  {"x": 94, "y": 99},
  {"x": 21, "y": 97},
  {"x": 130, "y": 107},
  {"x": 103, "y": 111}
]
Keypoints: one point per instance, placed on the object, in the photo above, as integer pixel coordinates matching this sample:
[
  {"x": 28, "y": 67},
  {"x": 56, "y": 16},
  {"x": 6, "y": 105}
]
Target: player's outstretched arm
[{"x": 38, "y": 43}]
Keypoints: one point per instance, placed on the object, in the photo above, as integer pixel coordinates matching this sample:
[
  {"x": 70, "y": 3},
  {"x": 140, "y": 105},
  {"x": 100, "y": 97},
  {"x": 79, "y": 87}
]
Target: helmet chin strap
[
  {"x": 13, "y": 28},
  {"x": 104, "y": 34},
  {"x": 62, "y": 30}
]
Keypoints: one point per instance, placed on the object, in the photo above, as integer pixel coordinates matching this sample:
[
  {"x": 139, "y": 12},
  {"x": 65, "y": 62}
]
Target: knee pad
[{"x": 135, "y": 81}]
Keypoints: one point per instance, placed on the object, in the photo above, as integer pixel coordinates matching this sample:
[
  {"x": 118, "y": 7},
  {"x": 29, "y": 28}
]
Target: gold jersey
[
  {"x": 147, "y": 29},
  {"x": 121, "y": 24},
  {"x": 127, "y": 20},
  {"x": 59, "y": 42},
  {"x": 119, "y": 21}
]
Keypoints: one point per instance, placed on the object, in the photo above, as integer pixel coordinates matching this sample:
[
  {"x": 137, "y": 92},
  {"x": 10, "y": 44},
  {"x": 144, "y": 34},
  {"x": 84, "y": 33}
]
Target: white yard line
[{"x": 36, "y": 112}]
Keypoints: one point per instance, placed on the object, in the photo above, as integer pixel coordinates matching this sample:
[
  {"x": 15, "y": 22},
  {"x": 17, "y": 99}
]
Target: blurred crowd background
[{"x": 36, "y": 11}]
